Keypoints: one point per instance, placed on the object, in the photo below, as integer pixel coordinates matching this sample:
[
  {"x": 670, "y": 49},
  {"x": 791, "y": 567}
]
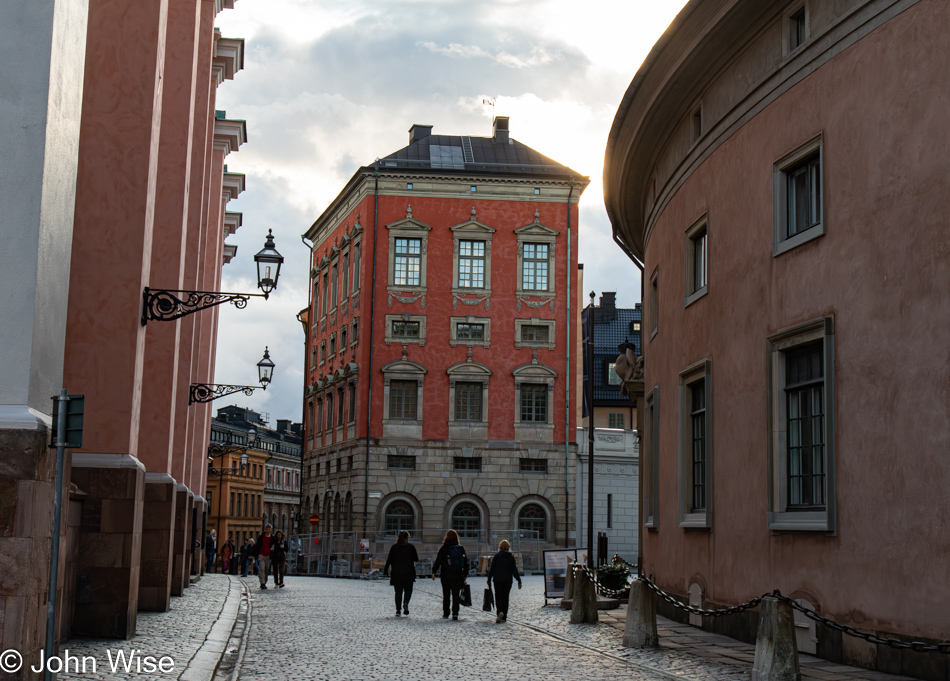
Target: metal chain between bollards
[
  {"x": 918, "y": 646},
  {"x": 601, "y": 589},
  {"x": 719, "y": 612}
]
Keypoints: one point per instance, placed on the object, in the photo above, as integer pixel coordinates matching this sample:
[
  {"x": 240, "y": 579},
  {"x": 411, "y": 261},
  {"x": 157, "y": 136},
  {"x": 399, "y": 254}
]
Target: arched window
[
  {"x": 399, "y": 517},
  {"x": 466, "y": 519},
  {"x": 533, "y": 519}
]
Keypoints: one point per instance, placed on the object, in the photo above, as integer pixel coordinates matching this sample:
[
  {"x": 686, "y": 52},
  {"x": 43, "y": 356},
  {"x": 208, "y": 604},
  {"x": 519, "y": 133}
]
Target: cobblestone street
[{"x": 336, "y": 630}]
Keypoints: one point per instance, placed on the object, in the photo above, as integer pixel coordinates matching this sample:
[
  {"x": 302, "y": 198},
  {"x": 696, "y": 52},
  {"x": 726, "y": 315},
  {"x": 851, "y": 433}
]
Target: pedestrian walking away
[
  {"x": 245, "y": 555},
  {"x": 261, "y": 551},
  {"x": 502, "y": 571},
  {"x": 401, "y": 569},
  {"x": 451, "y": 565},
  {"x": 211, "y": 549},
  {"x": 278, "y": 558},
  {"x": 227, "y": 554}
]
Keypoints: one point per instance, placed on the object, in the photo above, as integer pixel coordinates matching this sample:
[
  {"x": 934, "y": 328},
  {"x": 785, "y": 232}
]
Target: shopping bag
[
  {"x": 488, "y": 601},
  {"x": 466, "y": 596}
]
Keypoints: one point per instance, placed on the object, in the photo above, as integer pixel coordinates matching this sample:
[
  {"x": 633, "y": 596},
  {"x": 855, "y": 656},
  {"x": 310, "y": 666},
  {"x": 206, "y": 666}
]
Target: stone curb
[{"x": 203, "y": 665}]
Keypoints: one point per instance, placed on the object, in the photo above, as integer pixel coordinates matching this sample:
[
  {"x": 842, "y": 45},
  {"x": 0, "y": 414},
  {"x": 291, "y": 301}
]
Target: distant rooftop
[{"x": 498, "y": 153}]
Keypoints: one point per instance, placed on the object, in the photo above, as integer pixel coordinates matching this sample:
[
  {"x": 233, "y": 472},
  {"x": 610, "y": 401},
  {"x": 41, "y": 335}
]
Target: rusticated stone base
[
  {"x": 110, "y": 543},
  {"x": 158, "y": 533}
]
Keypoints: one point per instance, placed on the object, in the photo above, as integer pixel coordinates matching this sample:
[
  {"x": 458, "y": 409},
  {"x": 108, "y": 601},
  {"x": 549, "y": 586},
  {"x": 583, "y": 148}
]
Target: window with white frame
[
  {"x": 797, "y": 196},
  {"x": 535, "y": 272},
  {"x": 801, "y": 428},
  {"x": 468, "y": 400},
  {"x": 471, "y": 269},
  {"x": 615, "y": 419},
  {"x": 534, "y": 402},
  {"x": 470, "y": 331},
  {"x": 408, "y": 262},
  {"x": 695, "y": 446},
  {"x": 408, "y": 239},
  {"x": 536, "y": 248},
  {"x": 402, "y": 398},
  {"x": 356, "y": 266},
  {"x": 697, "y": 259}
]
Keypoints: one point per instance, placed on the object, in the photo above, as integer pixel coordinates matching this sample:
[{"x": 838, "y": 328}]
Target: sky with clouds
[{"x": 329, "y": 86}]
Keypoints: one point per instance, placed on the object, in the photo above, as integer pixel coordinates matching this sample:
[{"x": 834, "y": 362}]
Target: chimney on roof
[
  {"x": 608, "y": 300},
  {"x": 283, "y": 425},
  {"x": 418, "y": 132},
  {"x": 499, "y": 129}
]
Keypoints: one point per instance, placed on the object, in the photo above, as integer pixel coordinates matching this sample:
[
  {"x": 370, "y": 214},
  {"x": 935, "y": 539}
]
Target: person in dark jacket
[
  {"x": 502, "y": 571},
  {"x": 452, "y": 566},
  {"x": 211, "y": 549},
  {"x": 401, "y": 569},
  {"x": 245, "y": 556},
  {"x": 278, "y": 558}
]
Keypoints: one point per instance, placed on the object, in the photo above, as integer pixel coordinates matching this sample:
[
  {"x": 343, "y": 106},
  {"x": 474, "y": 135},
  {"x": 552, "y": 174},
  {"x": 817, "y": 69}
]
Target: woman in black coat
[
  {"x": 502, "y": 571},
  {"x": 451, "y": 565},
  {"x": 278, "y": 558},
  {"x": 400, "y": 566}
]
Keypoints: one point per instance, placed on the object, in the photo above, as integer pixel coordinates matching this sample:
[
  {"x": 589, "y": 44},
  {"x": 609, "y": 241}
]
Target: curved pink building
[{"x": 780, "y": 170}]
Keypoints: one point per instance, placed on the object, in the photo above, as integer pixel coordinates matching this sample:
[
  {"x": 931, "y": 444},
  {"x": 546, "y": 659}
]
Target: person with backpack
[
  {"x": 503, "y": 571},
  {"x": 452, "y": 567},
  {"x": 401, "y": 568},
  {"x": 278, "y": 558}
]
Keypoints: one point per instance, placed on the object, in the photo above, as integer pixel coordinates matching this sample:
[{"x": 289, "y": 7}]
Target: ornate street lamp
[
  {"x": 166, "y": 305},
  {"x": 206, "y": 392}
]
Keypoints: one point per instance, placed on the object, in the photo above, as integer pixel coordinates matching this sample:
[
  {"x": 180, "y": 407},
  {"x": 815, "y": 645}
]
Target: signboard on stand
[
  {"x": 364, "y": 545},
  {"x": 555, "y": 569}
]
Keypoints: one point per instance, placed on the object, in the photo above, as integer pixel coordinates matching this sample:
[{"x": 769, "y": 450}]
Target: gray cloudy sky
[{"x": 329, "y": 86}]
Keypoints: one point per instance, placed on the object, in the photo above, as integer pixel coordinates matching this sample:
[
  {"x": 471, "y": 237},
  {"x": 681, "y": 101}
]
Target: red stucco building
[{"x": 440, "y": 342}]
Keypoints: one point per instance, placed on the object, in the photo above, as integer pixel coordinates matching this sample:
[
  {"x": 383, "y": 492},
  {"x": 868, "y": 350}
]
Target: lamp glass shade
[
  {"x": 268, "y": 265},
  {"x": 265, "y": 368},
  {"x": 251, "y": 437},
  {"x": 244, "y": 460}
]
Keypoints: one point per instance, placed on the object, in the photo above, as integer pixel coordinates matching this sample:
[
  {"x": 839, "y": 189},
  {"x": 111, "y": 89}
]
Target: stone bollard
[
  {"x": 640, "y": 628},
  {"x": 776, "y": 655},
  {"x": 584, "y": 606},
  {"x": 566, "y": 603}
]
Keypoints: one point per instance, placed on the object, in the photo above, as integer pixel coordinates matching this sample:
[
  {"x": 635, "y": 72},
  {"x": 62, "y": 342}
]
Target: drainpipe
[
  {"x": 372, "y": 326},
  {"x": 303, "y": 413},
  {"x": 567, "y": 374}
]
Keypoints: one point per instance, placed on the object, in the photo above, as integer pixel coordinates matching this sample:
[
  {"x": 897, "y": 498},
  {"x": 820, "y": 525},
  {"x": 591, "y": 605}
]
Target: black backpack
[{"x": 455, "y": 560}]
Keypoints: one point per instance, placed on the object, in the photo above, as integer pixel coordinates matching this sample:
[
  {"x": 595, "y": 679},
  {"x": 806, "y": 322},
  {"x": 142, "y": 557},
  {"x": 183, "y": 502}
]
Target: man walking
[{"x": 262, "y": 551}]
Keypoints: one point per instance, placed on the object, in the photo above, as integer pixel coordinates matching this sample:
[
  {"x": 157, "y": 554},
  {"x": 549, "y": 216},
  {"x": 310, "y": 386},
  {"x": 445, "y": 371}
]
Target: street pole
[
  {"x": 57, "y": 516},
  {"x": 590, "y": 433}
]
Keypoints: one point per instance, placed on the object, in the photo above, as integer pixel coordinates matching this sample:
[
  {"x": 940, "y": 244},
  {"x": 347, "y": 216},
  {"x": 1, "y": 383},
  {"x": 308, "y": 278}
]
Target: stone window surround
[
  {"x": 793, "y": 9},
  {"x": 689, "y": 252},
  {"x": 403, "y": 370},
  {"x": 403, "y": 497},
  {"x": 781, "y": 243},
  {"x": 536, "y": 374},
  {"x": 453, "y": 331},
  {"x": 549, "y": 521},
  {"x": 780, "y": 520},
  {"x": 651, "y": 447},
  {"x": 535, "y": 321},
  {"x": 344, "y": 292},
  {"x": 408, "y": 228},
  {"x": 331, "y": 343},
  {"x": 471, "y": 230},
  {"x": 405, "y": 317},
  {"x": 701, "y": 370},
  {"x": 355, "y": 279},
  {"x": 536, "y": 233},
  {"x": 484, "y": 519},
  {"x": 468, "y": 372}
]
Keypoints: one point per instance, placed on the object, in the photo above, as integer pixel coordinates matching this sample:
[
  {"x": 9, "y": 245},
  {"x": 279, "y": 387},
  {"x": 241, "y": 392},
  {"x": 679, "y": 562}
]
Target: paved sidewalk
[
  {"x": 684, "y": 652},
  {"x": 194, "y": 633}
]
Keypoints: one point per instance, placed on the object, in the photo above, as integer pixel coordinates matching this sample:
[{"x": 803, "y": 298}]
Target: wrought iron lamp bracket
[
  {"x": 206, "y": 392},
  {"x": 166, "y": 305}
]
